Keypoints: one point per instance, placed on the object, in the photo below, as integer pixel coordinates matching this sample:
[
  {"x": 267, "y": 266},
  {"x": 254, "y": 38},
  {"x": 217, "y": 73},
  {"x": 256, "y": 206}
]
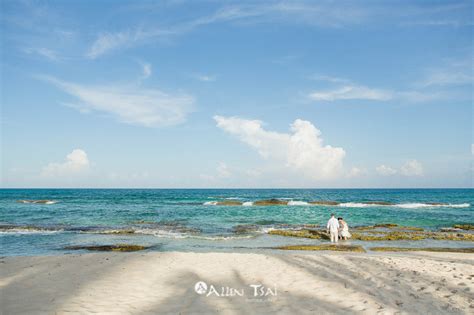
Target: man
[{"x": 333, "y": 228}]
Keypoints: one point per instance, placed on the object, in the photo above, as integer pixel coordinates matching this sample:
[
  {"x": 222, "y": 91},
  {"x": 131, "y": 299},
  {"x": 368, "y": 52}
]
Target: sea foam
[{"x": 297, "y": 203}]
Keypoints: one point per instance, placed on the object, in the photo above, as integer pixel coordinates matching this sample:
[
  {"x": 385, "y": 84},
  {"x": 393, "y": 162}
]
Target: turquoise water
[{"x": 188, "y": 219}]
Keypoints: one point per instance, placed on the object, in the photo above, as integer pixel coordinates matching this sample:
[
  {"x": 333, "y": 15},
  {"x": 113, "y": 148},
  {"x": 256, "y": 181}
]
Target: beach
[{"x": 284, "y": 282}]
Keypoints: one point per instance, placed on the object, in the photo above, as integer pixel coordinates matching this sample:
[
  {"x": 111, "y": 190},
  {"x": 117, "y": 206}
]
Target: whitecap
[
  {"x": 21, "y": 231},
  {"x": 210, "y": 203},
  {"x": 427, "y": 205},
  {"x": 297, "y": 203},
  {"x": 247, "y": 203}
]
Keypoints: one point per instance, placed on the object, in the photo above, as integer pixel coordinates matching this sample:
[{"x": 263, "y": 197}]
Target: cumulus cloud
[
  {"x": 385, "y": 170},
  {"x": 130, "y": 104},
  {"x": 302, "y": 149},
  {"x": 356, "y": 172},
  {"x": 76, "y": 163},
  {"x": 412, "y": 168}
]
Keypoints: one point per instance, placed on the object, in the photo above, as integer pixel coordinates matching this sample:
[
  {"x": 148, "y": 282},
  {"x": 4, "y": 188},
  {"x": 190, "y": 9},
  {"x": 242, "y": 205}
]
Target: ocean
[{"x": 211, "y": 219}]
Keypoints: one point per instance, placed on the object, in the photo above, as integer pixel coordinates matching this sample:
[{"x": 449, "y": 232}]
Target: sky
[{"x": 244, "y": 94}]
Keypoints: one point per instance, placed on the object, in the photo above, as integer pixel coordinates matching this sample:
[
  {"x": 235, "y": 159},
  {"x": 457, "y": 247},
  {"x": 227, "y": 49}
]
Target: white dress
[{"x": 345, "y": 231}]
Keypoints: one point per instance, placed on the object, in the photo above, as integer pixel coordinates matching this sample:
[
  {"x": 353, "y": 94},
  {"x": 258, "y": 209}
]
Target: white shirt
[{"x": 333, "y": 225}]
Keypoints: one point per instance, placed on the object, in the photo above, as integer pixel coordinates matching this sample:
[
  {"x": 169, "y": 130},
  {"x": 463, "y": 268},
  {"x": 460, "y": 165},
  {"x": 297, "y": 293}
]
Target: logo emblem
[{"x": 200, "y": 287}]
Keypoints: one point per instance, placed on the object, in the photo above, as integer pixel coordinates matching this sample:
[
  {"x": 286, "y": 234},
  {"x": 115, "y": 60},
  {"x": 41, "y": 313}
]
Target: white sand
[{"x": 306, "y": 283}]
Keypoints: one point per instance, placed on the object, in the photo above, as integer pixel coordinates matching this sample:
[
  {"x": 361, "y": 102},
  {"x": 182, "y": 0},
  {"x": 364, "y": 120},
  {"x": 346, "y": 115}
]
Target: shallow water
[{"x": 189, "y": 219}]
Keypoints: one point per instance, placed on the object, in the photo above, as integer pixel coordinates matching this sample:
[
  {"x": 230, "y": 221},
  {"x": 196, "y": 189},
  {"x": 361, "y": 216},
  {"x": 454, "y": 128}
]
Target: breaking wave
[
  {"x": 431, "y": 205},
  {"x": 297, "y": 203},
  {"x": 336, "y": 204},
  {"x": 44, "y": 202}
]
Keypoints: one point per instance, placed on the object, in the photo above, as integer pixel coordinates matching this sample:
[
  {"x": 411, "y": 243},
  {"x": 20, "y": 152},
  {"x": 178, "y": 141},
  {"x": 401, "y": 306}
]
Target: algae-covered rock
[
  {"x": 424, "y": 249},
  {"x": 339, "y": 248},
  {"x": 245, "y": 228},
  {"x": 450, "y": 229},
  {"x": 400, "y": 234},
  {"x": 270, "y": 202},
  {"x": 413, "y": 236},
  {"x": 385, "y": 225},
  {"x": 464, "y": 226},
  {"x": 305, "y": 233},
  {"x": 390, "y": 236},
  {"x": 229, "y": 203},
  {"x": 107, "y": 248},
  {"x": 324, "y": 203}
]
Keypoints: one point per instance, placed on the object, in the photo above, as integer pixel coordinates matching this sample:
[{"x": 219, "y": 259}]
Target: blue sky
[{"x": 237, "y": 94}]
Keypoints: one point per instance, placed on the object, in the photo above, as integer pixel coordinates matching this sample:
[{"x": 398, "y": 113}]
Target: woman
[{"x": 343, "y": 229}]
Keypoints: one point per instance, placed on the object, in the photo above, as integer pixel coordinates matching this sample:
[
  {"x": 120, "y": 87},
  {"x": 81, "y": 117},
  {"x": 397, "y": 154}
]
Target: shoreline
[{"x": 305, "y": 282}]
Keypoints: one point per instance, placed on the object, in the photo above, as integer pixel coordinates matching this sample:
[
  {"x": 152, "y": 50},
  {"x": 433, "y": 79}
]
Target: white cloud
[
  {"x": 472, "y": 149},
  {"x": 108, "y": 41},
  {"x": 328, "y": 78},
  {"x": 45, "y": 52},
  {"x": 412, "y": 168},
  {"x": 322, "y": 15},
  {"x": 76, "y": 163},
  {"x": 385, "y": 170},
  {"x": 301, "y": 150},
  {"x": 351, "y": 92},
  {"x": 356, "y": 172},
  {"x": 345, "y": 89},
  {"x": 129, "y": 104},
  {"x": 447, "y": 77}
]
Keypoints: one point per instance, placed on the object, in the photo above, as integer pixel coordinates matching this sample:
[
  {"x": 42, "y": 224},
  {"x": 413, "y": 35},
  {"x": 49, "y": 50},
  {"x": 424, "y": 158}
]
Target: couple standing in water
[{"x": 337, "y": 228}]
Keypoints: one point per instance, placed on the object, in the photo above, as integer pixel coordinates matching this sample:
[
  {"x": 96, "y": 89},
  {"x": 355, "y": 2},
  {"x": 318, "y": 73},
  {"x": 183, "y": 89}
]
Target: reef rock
[
  {"x": 107, "y": 248},
  {"x": 270, "y": 202},
  {"x": 339, "y": 248}
]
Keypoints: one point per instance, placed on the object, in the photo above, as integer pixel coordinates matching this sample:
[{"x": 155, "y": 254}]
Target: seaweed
[
  {"x": 464, "y": 226},
  {"x": 377, "y": 235},
  {"x": 107, "y": 248},
  {"x": 270, "y": 202},
  {"x": 305, "y": 233},
  {"x": 339, "y": 248}
]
